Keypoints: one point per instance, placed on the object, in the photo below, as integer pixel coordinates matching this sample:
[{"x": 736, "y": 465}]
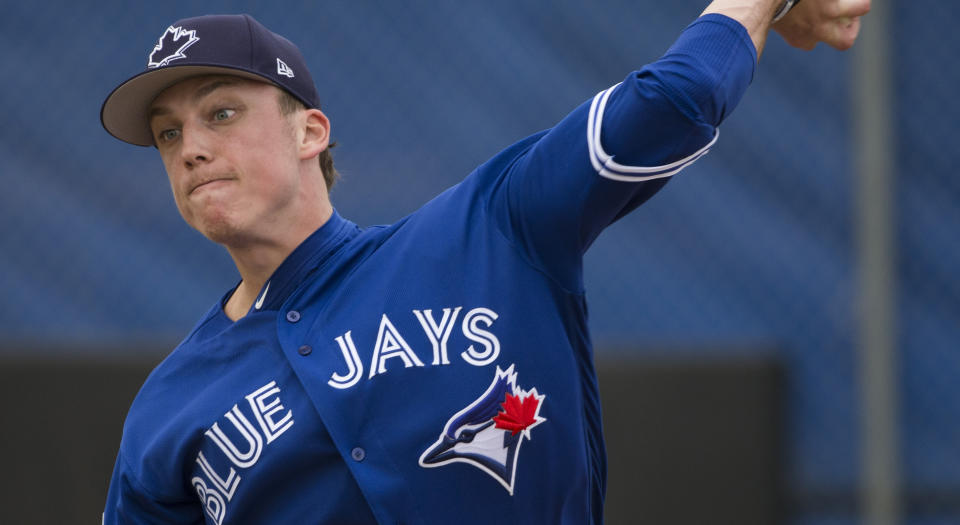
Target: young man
[{"x": 437, "y": 370}]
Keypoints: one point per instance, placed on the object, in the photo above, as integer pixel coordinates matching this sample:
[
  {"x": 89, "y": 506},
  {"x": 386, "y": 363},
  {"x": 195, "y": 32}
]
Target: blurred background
[{"x": 812, "y": 252}]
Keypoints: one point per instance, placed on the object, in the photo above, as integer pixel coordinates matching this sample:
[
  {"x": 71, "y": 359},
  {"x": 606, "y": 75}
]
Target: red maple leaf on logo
[{"x": 518, "y": 414}]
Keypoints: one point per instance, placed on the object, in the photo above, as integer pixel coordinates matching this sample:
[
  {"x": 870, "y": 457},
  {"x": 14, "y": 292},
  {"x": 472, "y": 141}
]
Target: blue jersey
[{"x": 437, "y": 370}]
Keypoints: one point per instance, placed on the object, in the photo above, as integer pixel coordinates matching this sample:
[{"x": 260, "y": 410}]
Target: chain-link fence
[{"x": 752, "y": 247}]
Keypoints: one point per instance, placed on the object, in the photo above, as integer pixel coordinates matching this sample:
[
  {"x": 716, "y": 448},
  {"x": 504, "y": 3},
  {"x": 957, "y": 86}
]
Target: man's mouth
[{"x": 210, "y": 183}]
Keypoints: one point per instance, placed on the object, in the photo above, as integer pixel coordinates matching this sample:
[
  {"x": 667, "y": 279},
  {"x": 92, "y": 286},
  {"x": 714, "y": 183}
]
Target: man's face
[{"x": 230, "y": 155}]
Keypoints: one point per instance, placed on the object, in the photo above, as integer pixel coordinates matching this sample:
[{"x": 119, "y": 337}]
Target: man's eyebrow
[
  {"x": 211, "y": 87},
  {"x": 206, "y": 89}
]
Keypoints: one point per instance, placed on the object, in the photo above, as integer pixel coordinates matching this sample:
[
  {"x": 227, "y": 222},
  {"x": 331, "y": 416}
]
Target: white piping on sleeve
[{"x": 604, "y": 164}]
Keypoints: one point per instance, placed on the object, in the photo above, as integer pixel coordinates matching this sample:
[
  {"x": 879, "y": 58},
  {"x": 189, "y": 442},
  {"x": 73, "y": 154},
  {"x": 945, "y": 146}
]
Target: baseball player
[{"x": 436, "y": 370}]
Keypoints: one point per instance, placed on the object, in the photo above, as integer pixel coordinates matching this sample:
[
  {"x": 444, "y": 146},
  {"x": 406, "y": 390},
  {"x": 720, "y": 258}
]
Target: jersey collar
[{"x": 308, "y": 256}]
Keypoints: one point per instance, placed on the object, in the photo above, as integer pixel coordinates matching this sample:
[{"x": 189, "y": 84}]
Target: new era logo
[
  {"x": 284, "y": 69},
  {"x": 173, "y": 42}
]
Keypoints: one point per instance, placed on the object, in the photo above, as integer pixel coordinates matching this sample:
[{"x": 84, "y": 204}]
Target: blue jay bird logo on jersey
[
  {"x": 488, "y": 432},
  {"x": 173, "y": 42}
]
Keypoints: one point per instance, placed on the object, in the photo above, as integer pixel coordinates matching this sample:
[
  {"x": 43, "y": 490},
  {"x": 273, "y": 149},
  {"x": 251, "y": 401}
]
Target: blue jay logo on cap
[
  {"x": 488, "y": 432},
  {"x": 171, "y": 45}
]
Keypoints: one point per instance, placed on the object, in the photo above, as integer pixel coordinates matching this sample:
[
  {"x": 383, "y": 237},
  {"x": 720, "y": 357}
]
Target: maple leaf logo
[
  {"x": 519, "y": 414},
  {"x": 171, "y": 45}
]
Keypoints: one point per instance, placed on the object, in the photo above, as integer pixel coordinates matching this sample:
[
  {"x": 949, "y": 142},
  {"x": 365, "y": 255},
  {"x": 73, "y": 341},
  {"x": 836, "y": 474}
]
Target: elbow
[{"x": 693, "y": 89}]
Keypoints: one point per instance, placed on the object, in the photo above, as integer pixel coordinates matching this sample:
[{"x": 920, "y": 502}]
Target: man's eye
[
  {"x": 169, "y": 134},
  {"x": 223, "y": 114}
]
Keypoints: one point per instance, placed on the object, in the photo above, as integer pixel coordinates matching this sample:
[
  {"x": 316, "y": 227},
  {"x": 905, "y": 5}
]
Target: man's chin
[{"x": 222, "y": 231}]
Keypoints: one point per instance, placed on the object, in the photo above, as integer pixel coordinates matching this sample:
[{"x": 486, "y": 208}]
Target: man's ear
[{"x": 316, "y": 133}]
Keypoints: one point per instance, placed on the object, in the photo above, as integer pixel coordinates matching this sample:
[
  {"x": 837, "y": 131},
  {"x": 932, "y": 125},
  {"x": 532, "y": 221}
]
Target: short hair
[{"x": 289, "y": 104}]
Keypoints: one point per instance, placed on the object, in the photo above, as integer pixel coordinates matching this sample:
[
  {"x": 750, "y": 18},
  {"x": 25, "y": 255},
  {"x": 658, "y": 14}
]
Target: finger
[
  {"x": 854, "y": 8},
  {"x": 843, "y": 33}
]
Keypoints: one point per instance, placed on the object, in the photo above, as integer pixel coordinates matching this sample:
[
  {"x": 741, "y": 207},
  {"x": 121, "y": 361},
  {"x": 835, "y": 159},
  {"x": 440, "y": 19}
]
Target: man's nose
[{"x": 195, "y": 149}]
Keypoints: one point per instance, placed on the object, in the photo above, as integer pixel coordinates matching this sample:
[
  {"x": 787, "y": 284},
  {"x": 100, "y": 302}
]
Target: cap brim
[{"x": 126, "y": 111}]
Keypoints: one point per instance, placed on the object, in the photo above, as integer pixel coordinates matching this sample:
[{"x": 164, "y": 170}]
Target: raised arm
[{"x": 558, "y": 190}]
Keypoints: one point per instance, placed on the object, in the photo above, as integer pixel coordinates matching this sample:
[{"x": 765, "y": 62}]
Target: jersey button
[
  {"x": 305, "y": 350},
  {"x": 358, "y": 454},
  {"x": 293, "y": 316}
]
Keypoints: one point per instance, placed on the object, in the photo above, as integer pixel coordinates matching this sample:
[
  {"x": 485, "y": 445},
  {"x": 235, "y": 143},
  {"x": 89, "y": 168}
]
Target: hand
[{"x": 835, "y": 22}]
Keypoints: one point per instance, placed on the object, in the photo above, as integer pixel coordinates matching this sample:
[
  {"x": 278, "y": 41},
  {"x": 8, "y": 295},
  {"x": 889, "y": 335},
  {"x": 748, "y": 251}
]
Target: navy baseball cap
[{"x": 234, "y": 45}]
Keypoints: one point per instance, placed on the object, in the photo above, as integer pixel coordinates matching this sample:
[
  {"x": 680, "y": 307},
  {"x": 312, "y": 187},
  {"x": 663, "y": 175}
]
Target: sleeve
[
  {"x": 129, "y": 502},
  {"x": 614, "y": 152}
]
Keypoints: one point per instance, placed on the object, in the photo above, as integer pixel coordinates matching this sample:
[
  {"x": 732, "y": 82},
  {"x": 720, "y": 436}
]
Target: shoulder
[
  {"x": 474, "y": 192},
  {"x": 162, "y": 423}
]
